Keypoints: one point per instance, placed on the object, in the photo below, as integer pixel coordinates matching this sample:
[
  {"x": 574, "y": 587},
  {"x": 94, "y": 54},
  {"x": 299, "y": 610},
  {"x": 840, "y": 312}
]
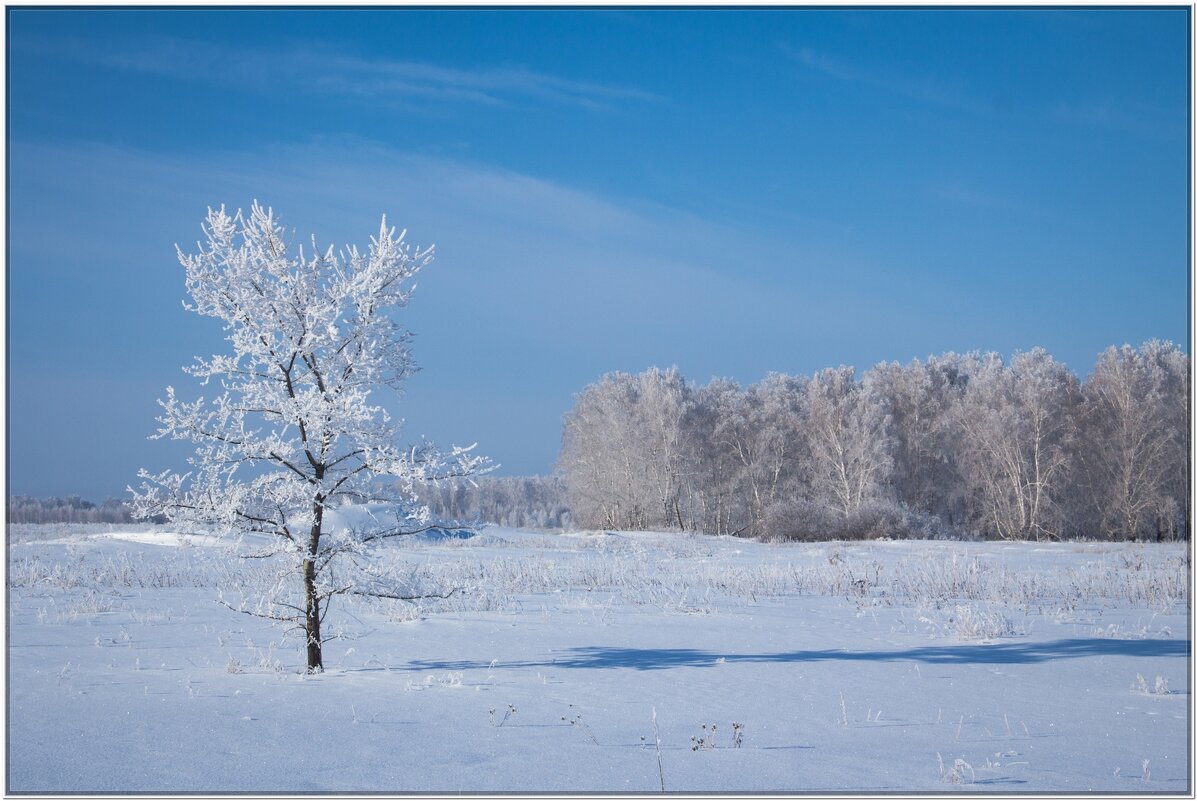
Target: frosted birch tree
[
  {"x": 294, "y": 428},
  {"x": 624, "y": 453},
  {"x": 1017, "y": 426},
  {"x": 767, "y": 440},
  {"x": 714, "y": 487},
  {"x": 1134, "y": 441},
  {"x": 662, "y": 402},
  {"x": 921, "y": 398},
  {"x": 1175, "y": 365},
  {"x": 602, "y": 457},
  {"x": 847, "y": 427}
]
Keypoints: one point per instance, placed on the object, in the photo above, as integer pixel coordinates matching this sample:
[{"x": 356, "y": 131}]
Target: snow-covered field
[{"x": 885, "y": 666}]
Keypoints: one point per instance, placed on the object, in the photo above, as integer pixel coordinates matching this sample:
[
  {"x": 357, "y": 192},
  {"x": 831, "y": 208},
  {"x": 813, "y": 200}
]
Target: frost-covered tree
[
  {"x": 847, "y": 427},
  {"x": 1133, "y": 441},
  {"x": 1176, "y": 367},
  {"x": 623, "y": 450},
  {"x": 663, "y": 402},
  {"x": 602, "y": 458},
  {"x": 714, "y": 500},
  {"x": 294, "y": 429},
  {"x": 520, "y": 501},
  {"x": 921, "y": 398},
  {"x": 1017, "y": 425},
  {"x": 765, "y": 437}
]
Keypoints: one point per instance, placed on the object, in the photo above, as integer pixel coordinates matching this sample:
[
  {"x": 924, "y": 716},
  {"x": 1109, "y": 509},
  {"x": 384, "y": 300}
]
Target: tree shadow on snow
[{"x": 1003, "y": 653}]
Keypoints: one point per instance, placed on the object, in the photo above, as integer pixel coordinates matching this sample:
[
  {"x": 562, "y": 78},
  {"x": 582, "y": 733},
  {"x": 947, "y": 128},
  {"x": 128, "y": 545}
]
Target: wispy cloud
[
  {"x": 543, "y": 262},
  {"x": 537, "y": 288},
  {"x": 1126, "y": 116},
  {"x": 930, "y": 89},
  {"x": 324, "y": 70}
]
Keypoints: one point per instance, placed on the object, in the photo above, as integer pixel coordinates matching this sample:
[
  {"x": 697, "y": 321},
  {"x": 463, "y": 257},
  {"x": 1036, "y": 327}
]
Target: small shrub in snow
[
  {"x": 510, "y": 711},
  {"x": 1158, "y": 687},
  {"x": 575, "y": 720},
  {"x": 89, "y": 604},
  {"x": 267, "y": 662},
  {"x": 1145, "y": 632},
  {"x": 707, "y": 740},
  {"x": 971, "y": 622},
  {"x": 956, "y": 774},
  {"x": 800, "y": 520}
]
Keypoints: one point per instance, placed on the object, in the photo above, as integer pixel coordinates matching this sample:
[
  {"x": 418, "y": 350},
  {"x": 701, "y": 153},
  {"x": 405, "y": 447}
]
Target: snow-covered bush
[
  {"x": 972, "y": 622},
  {"x": 810, "y": 521},
  {"x": 804, "y": 521}
]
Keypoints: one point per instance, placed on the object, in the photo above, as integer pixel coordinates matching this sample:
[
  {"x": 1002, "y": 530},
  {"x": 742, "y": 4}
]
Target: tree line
[
  {"x": 71, "y": 509},
  {"x": 959, "y": 445},
  {"x": 516, "y": 501}
]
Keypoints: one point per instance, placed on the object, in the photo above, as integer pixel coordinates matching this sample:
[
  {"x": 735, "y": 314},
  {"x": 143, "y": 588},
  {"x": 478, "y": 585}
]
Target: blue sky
[{"x": 730, "y": 191}]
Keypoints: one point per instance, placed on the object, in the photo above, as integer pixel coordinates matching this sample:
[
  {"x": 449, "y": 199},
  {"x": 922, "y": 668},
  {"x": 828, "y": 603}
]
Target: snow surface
[
  {"x": 165, "y": 538},
  {"x": 869, "y": 667}
]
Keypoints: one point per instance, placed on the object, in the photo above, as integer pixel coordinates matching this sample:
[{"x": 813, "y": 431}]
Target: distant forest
[
  {"x": 518, "y": 501},
  {"x": 71, "y": 509},
  {"x": 959, "y": 446}
]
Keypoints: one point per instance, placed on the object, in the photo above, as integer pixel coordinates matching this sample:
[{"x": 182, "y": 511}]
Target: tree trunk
[{"x": 311, "y": 599}]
